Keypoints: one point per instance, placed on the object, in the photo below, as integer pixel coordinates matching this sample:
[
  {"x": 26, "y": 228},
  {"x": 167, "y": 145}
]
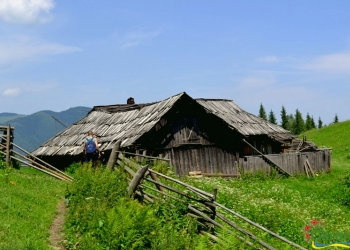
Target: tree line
[{"x": 295, "y": 123}]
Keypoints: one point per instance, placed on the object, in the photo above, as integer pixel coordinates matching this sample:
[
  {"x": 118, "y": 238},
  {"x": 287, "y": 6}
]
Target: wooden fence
[
  {"x": 293, "y": 163},
  {"x": 211, "y": 161},
  {"x": 149, "y": 186},
  {"x": 25, "y": 157}
]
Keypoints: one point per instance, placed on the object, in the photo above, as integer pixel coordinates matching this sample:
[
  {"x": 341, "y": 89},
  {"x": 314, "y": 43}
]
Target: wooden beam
[
  {"x": 8, "y": 144},
  {"x": 136, "y": 180},
  {"x": 113, "y": 156},
  {"x": 268, "y": 160}
]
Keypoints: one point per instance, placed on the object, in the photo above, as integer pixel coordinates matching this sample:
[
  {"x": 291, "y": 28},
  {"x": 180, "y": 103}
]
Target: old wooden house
[{"x": 214, "y": 136}]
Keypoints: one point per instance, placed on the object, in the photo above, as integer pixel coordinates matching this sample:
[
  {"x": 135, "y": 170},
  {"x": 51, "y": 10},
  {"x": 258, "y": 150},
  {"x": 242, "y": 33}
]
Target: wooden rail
[
  {"x": 26, "y": 158},
  {"x": 201, "y": 204}
]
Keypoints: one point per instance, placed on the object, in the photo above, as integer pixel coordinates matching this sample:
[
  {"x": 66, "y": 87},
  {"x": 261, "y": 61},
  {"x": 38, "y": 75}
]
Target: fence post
[
  {"x": 8, "y": 144},
  {"x": 213, "y": 209},
  {"x": 137, "y": 179},
  {"x": 113, "y": 156}
]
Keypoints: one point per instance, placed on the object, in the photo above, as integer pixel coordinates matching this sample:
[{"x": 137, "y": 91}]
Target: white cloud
[
  {"x": 26, "y": 11},
  {"x": 11, "y": 92},
  {"x": 136, "y": 38},
  {"x": 334, "y": 63},
  {"x": 268, "y": 59},
  {"x": 21, "y": 48}
]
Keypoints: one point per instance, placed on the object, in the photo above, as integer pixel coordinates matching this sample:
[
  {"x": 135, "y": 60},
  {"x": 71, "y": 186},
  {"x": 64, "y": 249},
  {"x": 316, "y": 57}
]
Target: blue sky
[{"x": 59, "y": 54}]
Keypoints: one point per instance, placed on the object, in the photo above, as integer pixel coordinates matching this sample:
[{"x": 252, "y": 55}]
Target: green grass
[
  {"x": 286, "y": 205},
  {"x": 27, "y": 207}
]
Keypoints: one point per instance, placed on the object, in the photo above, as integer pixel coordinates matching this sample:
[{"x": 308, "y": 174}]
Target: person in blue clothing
[{"x": 91, "y": 149}]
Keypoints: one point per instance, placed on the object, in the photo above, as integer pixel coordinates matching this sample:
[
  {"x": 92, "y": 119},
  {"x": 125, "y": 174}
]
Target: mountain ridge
[{"x": 33, "y": 130}]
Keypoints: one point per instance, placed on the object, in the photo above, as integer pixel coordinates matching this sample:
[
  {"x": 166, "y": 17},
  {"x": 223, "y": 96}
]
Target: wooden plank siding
[
  {"x": 213, "y": 160},
  {"x": 208, "y": 159},
  {"x": 291, "y": 162}
]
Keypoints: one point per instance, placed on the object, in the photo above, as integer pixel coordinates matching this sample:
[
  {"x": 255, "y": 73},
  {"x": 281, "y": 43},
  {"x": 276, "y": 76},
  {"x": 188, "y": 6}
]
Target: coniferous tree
[
  {"x": 320, "y": 123},
  {"x": 299, "y": 124},
  {"x": 308, "y": 122},
  {"x": 284, "y": 119},
  {"x": 313, "y": 122},
  {"x": 272, "y": 118},
  {"x": 291, "y": 120},
  {"x": 262, "y": 113},
  {"x": 336, "y": 119}
]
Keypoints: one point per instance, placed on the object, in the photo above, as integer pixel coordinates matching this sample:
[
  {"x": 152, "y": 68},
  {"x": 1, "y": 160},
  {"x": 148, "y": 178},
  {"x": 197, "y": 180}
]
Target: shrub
[{"x": 102, "y": 216}]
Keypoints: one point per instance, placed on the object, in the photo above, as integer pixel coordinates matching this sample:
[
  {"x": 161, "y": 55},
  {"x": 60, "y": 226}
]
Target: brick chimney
[{"x": 130, "y": 101}]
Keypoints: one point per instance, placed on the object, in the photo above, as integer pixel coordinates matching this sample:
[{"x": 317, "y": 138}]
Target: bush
[{"x": 102, "y": 216}]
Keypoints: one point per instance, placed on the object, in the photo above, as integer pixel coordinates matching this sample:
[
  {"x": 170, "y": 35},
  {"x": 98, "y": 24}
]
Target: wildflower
[
  {"x": 307, "y": 227},
  {"x": 314, "y": 222}
]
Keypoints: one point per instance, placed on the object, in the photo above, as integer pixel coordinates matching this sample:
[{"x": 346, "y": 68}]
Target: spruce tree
[
  {"x": 320, "y": 123},
  {"x": 313, "y": 122},
  {"x": 308, "y": 122},
  {"x": 262, "y": 113},
  {"x": 299, "y": 124},
  {"x": 284, "y": 119},
  {"x": 291, "y": 120},
  {"x": 336, "y": 119},
  {"x": 272, "y": 118}
]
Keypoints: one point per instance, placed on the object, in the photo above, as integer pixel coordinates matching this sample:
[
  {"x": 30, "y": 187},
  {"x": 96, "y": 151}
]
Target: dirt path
[{"x": 56, "y": 230}]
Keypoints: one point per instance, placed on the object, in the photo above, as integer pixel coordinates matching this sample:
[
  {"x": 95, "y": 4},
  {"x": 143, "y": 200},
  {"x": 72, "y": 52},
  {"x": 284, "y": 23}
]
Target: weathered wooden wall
[
  {"x": 210, "y": 159},
  {"x": 291, "y": 162}
]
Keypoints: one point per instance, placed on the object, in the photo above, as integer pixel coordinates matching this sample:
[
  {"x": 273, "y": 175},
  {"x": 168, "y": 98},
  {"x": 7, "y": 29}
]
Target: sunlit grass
[
  {"x": 27, "y": 207},
  {"x": 285, "y": 205}
]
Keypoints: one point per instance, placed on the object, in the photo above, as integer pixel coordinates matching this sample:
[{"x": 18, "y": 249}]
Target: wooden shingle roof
[{"x": 127, "y": 123}]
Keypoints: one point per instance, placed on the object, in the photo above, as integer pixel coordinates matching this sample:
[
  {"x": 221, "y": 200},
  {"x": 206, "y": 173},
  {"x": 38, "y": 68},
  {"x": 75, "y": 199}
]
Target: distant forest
[{"x": 295, "y": 123}]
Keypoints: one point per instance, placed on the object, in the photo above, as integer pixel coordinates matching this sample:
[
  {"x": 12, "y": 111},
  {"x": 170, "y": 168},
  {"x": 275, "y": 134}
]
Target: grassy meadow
[
  {"x": 286, "y": 205},
  {"x": 27, "y": 207},
  {"x": 102, "y": 216}
]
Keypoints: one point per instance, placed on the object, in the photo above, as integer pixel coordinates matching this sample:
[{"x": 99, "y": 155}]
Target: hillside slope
[
  {"x": 7, "y": 117},
  {"x": 33, "y": 130},
  {"x": 337, "y": 137}
]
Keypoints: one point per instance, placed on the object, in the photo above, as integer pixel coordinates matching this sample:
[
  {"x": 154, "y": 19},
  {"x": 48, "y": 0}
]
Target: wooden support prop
[
  {"x": 137, "y": 179},
  {"x": 259, "y": 226},
  {"x": 8, "y": 143},
  {"x": 267, "y": 159},
  {"x": 154, "y": 177},
  {"x": 252, "y": 236},
  {"x": 113, "y": 156},
  {"x": 309, "y": 166},
  {"x": 306, "y": 169},
  {"x": 213, "y": 208}
]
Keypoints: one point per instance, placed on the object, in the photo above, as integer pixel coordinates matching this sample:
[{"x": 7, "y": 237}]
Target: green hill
[
  {"x": 33, "y": 130},
  {"x": 7, "y": 117},
  {"x": 337, "y": 137}
]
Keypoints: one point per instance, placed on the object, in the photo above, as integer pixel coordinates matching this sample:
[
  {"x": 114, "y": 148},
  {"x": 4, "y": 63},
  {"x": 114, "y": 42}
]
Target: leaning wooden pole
[
  {"x": 113, "y": 157},
  {"x": 269, "y": 160},
  {"x": 8, "y": 143},
  {"x": 136, "y": 180}
]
